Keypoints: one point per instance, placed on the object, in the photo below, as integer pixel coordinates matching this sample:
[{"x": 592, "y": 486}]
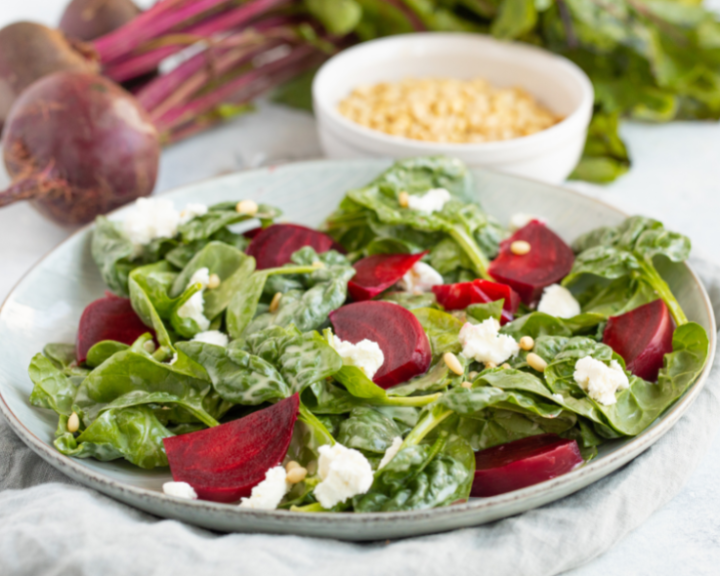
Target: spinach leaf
[
  {"x": 63, "y": 356},
  {"x": 243, "y": 305},
  {"x": 113, "y": 253},
  {"x": 52, "y": 389},
  {"x": 438, "y": 377},
  {"x": 360, "y": 386},
  {"x": 442, "y": 329},
  {"x": 155, "y": 280},
  {"x": 220, "y": 217},
  {"x": 369, "y": 430},
  {"x": 410, "y": 301},
  {"x": 102, "y": 351},
  {"x": 481, "y": 312}
]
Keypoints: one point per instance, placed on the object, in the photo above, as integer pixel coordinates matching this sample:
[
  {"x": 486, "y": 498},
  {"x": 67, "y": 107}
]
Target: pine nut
[
  {"x": 292, "y": 465},
  {"x": 527, "y": 343},
  {"x": 506, "y": 366},
  {"x": 404, "y": 199},
  {"x": 453, "y": 363},
  {"x": 149, "y": 346},
  {"x": 296, "y": 475},
  {"x": 466, "y": 384},
  {"x": 73, "y": 423},
  {"x": 472, "y": 375},
  {"x": 248, "y": 207},
  {"x": 490, "y": 365},
  {"x": 275, "y": 304},
  {"x": 536, "y": 362},
  {"x": 520, "y": 247},
  {"x": 214, "y": 281}
]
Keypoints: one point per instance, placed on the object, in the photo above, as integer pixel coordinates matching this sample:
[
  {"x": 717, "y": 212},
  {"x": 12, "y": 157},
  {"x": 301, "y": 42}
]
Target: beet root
[
  {"x": 78, "y": 145},
  {"x": 273, "y": 246},
  {"x": 461, "y": 295},
  {"x": 522, "y": 463},
  {"x": 30, "y": 51},
  {"x": 375, "y": 274},
  {"x": 642, "y": 337},
  {"x": 109, "y": 318},
  {"x": 224, "y": 463},
  {"x": 549, "y": 261},
  {"x": 89, "y": 19},
  {"x": 396, "y": 330}
]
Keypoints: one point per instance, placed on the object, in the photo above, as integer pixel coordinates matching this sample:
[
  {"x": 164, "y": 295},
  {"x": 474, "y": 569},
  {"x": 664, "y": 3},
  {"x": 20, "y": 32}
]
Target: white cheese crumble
[
  {"x": 268, "y": 494},
  {"x": 600, "y": 381},
  {"x": 432, "y": 201},
  {"x": 212, "y": 337},
  {"x": 483, "y": 343},
  {"x": 559, "y": 302},
  {"x": 194, "y": 308},
  {"x": 180, "y": 490},
  {"x": 420, "y": 278},
  {"x": 558, "y": 397},
  {"x": 201, "y": 276},
  {"x": 192, "y": 211},
  {"x": 520, "y": 220},
  {"x": 391, "y": 452},
  {"x": 365, "y": 355},
  {"x": 343, "y": 472},
  {"x": 173, "y": 359}
]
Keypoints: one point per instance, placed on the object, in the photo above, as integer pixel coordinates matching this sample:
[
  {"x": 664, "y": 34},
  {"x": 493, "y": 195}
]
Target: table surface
[{"x": 675, "y": 178}]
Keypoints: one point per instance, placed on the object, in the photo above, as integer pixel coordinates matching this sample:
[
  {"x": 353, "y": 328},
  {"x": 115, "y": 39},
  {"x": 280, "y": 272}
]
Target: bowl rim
[{"x": 578, "y": 119}]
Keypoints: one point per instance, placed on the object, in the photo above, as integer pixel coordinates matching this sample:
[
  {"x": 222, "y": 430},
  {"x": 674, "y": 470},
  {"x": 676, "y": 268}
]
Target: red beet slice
[
  {"x": 273, "y": 246},
  {"x": 397, "y": 332},
  {"x": 224, "y": 463},
  {"x": 548, "y": 262},
  {"x": 461, "y": 295},
  {"x": 109, "y": 318},
  {"x": 377, "y": 273},
  {"x": 642, "y": 337},
  {"x": 523, "y": 463}
]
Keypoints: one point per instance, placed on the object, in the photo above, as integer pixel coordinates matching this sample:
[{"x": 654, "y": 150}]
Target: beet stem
[{"x": 29, "y": 187}]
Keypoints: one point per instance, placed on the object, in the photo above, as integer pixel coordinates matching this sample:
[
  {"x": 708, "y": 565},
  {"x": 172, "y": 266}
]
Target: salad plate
[{"x": 47, "y": 304}]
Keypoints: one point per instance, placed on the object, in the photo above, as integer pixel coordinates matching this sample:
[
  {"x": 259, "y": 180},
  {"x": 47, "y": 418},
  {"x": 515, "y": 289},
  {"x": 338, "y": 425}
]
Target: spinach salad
[{"x": 409, "y": 354}]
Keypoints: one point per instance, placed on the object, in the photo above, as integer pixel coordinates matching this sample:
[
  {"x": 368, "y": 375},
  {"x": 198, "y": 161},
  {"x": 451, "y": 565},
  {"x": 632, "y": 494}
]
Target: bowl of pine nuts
[{"x": 502, "y": 105}]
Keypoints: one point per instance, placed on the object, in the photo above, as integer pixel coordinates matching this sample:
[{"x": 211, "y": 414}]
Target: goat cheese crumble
[
  {"x": 599, "y": 380},
  {"x": 520, "y": 220},
  {"x": 420, "y": 278},
  {"x": 391, "y": 452},
  {"x": 269, "y": 493},
  {"x": 432, "y": 201},
  {"x": 192, "y": 211},
  {"x": 194, "y": 308},
  {"x": 558, "y": 397},
  {"x": 559, "y": 302},
  {"x": 483, "y": 342},
  {"x": 180, "y": 490},
  {"x": 365, "y": 355},
  {"x": 212, "y": 337},
  {"x": 344, "y": 473}
]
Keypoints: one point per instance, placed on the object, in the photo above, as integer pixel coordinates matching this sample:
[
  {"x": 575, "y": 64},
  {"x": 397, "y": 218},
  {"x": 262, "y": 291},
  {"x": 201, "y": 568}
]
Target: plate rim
[{"x": 585, "y": 475}]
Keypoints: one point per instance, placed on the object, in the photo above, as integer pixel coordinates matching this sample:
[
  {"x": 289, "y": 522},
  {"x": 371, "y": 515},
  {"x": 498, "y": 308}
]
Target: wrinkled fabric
[{"x": 50, "y": 525}]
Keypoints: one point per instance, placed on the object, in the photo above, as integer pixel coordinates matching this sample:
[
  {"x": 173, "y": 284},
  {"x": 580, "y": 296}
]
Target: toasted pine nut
[
  {"x": 73, "y": 423},
  {"x": 404, "y": 199},
  {"x": 248, "y": 207},
  {"x": 505, "y": 366},
  {"x": 291, "y": 465},
  {"x": 536, "y": 362},
  {"x": 296, "y": 475},
  {"x": 490, "y": 365},
  {"x": 275, "y": 302},
  {"x": 527, "y": 343},
  {"x": 466, "y": 384},
  {"x": 317, "y": 264},
  {"x": 520, "y": 247},
  {"x": 149, "y": 346},
  {"x": 214, "y": 281},
  {"x": 472, "y": 375},
  {"x": 453, "y": 363}
]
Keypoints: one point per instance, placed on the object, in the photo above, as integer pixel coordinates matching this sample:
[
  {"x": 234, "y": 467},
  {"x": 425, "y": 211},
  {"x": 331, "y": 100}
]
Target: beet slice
[
  {"x": 377, "y": 273},
  {"x": 548, "y": 262},
  {"x": 109, "y": 318},
  {"x": 397, "y": 332},
  {"x": 523, "y": 463},
  {"x": 461, "y": 295},
  {"x": 642, "y": 337},
  {"x": 273, "y": 246},
  {"x": 224, "y": 463}
]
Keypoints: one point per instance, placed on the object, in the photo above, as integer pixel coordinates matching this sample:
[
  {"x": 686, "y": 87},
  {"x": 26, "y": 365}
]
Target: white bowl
[{"x": 554, "y": 81}]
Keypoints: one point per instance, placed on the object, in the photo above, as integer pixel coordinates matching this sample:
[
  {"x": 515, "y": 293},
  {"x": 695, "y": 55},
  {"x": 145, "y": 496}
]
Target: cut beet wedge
[
  {"x": 397, "y": 332},
  {"x": 109, "y": 318},
  {"x": 375, "y": 274},
  {"x": 224, "y": 463},
  {"x": 642, "y": 337},
  {"x": 523, "y": 463},
  {"x": 461, "y": 295},
  {"x": 548, "y": 262},
  {"x": 273, "y": 246}
]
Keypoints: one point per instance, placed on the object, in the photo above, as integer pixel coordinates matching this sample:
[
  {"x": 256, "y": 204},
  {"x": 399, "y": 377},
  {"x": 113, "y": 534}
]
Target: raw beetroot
[
  {"x": 273, "y": 246},
  {"x": 90, "y": 19},
  {"x": 78, "y": 145},
  {"x": 396, "y": 330},
  {"x": 461, "y": 295},
  {"x": 375, "y": 274},
  {"x": 523, "y": 463},
  {"x": 548, "y": 262},
  {"x": 109, "y": 318},
  {"x": 224, "y": 463},
  {"x": 642, "y": 337}
]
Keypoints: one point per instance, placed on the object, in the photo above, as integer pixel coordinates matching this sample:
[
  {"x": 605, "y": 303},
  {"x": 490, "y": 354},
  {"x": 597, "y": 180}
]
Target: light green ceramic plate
[{"x": 46, "y": 307}]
